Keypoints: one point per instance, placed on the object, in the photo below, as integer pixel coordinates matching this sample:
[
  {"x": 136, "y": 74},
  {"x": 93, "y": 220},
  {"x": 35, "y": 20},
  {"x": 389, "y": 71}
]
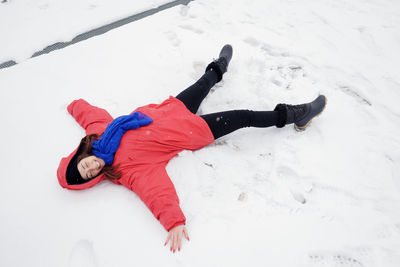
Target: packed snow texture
[{"x": 328, "y": 196}]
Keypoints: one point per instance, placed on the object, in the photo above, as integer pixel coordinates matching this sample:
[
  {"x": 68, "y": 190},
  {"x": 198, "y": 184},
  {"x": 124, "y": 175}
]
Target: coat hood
[
  {"x": 93, "y": 120},
  {"x": 62, "y": 177}
]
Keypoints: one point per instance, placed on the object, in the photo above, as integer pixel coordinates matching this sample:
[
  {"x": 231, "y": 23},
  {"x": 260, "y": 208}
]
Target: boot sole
[{"x": 302, "y": 128}]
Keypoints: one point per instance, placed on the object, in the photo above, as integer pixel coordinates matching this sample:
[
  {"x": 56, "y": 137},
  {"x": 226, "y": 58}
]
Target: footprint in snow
[
  {"x": 192, "y": 29},
  {"x": 184, "y": 10},
  {"x": 82, "y": 255},
  {"x": 251, "y": 41},
  {"x": 173, "y": 38},
  {"x": 285, "y": 75},
  {"x": 296, "y": 188},
  {"x": 332, "y": 259}
]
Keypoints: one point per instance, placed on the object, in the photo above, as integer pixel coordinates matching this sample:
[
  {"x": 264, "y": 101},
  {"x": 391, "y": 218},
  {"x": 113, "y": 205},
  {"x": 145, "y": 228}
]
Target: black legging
[{"x": 223, "y": 123}]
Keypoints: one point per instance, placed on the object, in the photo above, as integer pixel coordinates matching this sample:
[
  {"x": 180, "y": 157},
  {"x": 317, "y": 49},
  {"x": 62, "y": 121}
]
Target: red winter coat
[{"x": 144, "y": 153}]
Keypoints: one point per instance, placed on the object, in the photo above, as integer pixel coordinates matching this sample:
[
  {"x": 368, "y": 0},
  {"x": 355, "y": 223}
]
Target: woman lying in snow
[{"x": 133, "y": 150}]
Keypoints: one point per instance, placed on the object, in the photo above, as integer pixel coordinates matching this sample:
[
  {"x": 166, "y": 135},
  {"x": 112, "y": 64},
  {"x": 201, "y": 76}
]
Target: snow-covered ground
[
  {"x": 29, "y": 26},
  {"x": 329, "y": 196}
]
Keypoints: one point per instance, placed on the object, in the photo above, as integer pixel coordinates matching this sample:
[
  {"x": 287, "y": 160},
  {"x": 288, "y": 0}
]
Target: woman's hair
[{"x": 109, "y": 171}]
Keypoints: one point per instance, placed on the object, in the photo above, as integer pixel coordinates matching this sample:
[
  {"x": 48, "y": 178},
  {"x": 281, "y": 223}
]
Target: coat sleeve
[
  {"x": 91, "y": 118},
  {"x": 156, "y": 190}
]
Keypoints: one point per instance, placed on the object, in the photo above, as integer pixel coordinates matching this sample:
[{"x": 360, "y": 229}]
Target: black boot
[
  {"x": 220, "y": 65},
  {"x": 300, "y": 115}
]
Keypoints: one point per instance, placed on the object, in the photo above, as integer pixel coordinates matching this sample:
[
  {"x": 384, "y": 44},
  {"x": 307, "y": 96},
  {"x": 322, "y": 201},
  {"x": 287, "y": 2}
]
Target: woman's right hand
[{"x": 175, "y": 236}]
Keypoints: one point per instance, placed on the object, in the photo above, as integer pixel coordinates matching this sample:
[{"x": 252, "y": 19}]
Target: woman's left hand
[{"x": 175, "y": 236}]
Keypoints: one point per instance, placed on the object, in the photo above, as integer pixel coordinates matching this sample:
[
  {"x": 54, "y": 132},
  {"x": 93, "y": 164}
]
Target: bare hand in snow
[{"x": 175, "y": 236}]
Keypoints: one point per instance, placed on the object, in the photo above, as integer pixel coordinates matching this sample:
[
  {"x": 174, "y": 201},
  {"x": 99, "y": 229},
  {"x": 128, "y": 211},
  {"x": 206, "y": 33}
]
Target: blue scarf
[{"x": 108, "y": 143}]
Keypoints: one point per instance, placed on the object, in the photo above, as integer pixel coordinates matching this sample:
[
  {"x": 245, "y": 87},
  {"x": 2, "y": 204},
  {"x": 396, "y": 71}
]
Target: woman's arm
[
  {"x": 154, "y": 187},
  {"x": 165, "y": 208},
  {"x": 91, "y": 118}
]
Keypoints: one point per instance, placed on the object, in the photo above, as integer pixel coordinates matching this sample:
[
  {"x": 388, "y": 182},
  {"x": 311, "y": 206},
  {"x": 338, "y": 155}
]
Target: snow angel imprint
[{"x": 133, "y": 150}]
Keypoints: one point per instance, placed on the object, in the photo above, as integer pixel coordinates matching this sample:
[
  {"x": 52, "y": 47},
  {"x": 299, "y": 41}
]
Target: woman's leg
[
  {"x": 223, "y": 123},
  {"x": 194, "y": 94}
]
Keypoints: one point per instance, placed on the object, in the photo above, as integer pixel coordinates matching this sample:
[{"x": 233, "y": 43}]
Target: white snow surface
[
  {"x": 29, "y": 26},
  {"x": 328, "y": 196}
]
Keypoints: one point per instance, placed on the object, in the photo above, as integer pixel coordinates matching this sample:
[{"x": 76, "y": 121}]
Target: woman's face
[{"x": 90, "y": 166}]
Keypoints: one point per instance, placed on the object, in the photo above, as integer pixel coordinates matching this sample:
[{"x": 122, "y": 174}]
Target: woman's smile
[{"x": 90, "y": 167}]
